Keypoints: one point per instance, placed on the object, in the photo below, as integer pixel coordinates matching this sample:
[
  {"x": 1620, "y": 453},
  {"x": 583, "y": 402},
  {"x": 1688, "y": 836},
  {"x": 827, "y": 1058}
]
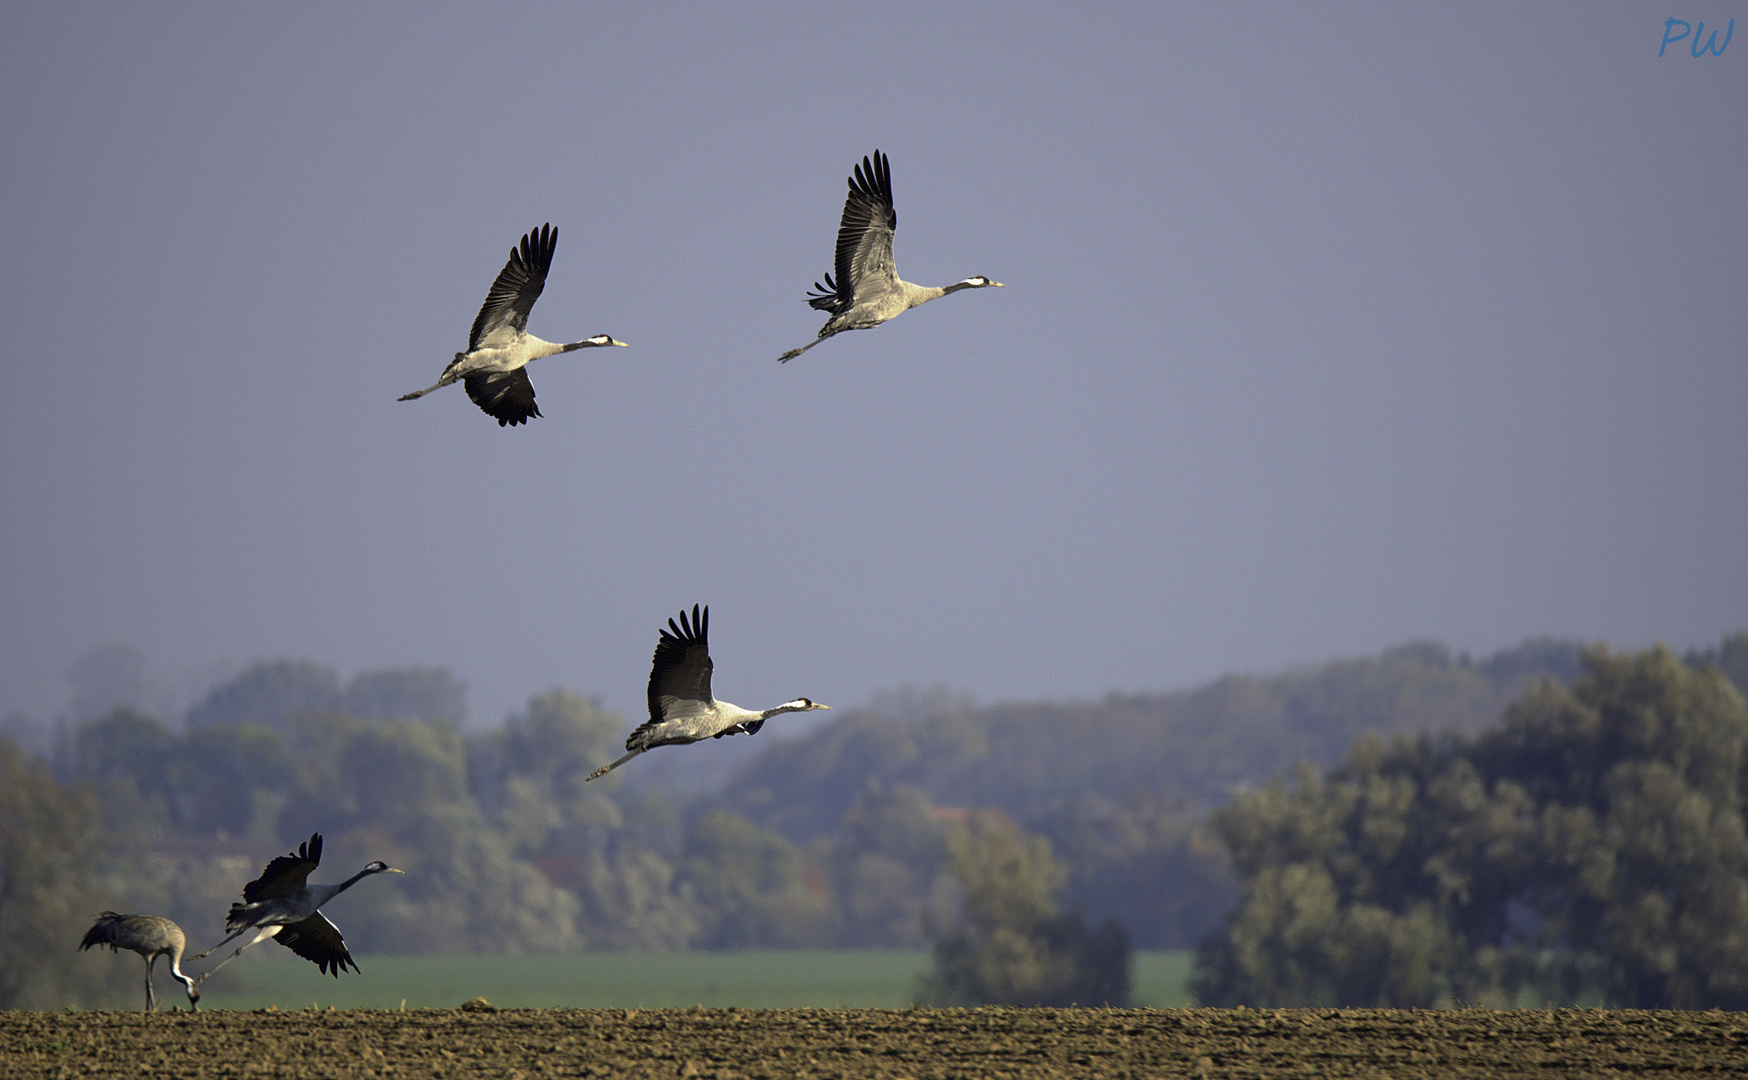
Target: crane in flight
[
  {"x": 280, "y": 904},
  {"x": 681, "y": 708},
  {"x": 493, "y": 369},
  {"x": 151, "y": 936},
  {"x": 868, "y": 290}
]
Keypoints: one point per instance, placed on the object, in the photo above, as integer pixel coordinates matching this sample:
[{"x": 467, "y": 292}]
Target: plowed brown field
[{"x": 519, "y": 1043}]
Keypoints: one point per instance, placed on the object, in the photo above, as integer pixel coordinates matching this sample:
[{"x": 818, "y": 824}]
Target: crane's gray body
[
  {"x": 681, "y": 707},
  {"x": 500, "y": 346},
  {"x": 867, "y": 290},
  {"x": 282, "y": 905},
  {"x": 151, "y": 936}
]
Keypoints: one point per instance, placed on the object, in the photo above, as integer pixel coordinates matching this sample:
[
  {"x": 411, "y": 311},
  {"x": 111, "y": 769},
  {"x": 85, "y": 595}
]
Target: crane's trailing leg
[
  {"x": 449, "y": 375},
  {"x": 240, "y": 932},
  {"x": 605, "y": 769},
  {"x": 264, "y": 933},
  {"x": 793, "y": 353}
]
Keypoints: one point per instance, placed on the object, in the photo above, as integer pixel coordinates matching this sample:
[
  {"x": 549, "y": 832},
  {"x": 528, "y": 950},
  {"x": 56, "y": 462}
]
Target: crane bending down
[
  {"x": 280, "y": 905},
  {"x": 151, "y": 936},
  {"x": 681, "y": 709},
  {"x": 868, "y": 290},
  {"x": 500, "y": 346}
]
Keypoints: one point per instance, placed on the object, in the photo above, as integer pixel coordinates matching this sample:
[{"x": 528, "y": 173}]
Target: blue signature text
[{"x": 1671, "y": 36}]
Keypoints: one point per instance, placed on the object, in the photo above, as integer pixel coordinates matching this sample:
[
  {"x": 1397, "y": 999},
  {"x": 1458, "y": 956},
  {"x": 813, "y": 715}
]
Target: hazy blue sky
[{"x": 1327, "y": 328}]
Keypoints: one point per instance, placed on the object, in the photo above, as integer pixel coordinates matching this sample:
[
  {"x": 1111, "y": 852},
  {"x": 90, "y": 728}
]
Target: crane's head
[
  {"x": 380, "y": 867},
  {"x": 801, "y": 704},
  {"x": 981, "y": 282},
  {"x": 604, "y": 339},
  {"x": 193, "y": 995}
]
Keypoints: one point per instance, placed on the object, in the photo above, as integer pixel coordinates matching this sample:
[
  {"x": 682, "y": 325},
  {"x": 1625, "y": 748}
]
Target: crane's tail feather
[
  {"x": 605, "y": 769},
  {"x": 825, "y": 297}
]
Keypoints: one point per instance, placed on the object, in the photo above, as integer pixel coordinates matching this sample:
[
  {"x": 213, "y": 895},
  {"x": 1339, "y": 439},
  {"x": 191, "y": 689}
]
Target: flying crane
[
  {"x": 493, "y": 369},
  {"x": 281, "y": 905},
  {"x": 868, "y": 290},
  {"x": 681, "y": 707}
]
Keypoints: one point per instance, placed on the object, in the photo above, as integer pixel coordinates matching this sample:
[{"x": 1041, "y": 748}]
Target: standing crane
[
  {"x": 681, "y": 709},
  {"x": 281, "y": 905},
  {"x": 868, "y": 290},
  {"x": 500, "y": 346},
  {"x": 151, "y": 936}
]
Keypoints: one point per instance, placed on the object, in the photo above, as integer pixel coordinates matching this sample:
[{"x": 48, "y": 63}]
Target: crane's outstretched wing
[
  {"x": 681, "y": 669},
  {"x": 864, "y": 257},
  {"x": 286, "y": 874},
  {"x": 519, "y": 284},
  {"x": 679, "y": 687},
  {"x": 318, "y": 940},
  {"x": 506, "y": 395}
]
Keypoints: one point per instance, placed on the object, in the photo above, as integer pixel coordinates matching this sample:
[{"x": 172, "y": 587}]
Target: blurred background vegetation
[{"x": 1547, "y": 824}]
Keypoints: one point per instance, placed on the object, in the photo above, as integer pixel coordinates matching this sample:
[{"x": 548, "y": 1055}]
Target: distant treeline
[
  {"x": 887, "y": 826},
  {"x": 1592, "y": 847}
]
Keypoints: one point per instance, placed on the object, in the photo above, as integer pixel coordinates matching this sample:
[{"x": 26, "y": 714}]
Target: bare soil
[{"x": 479, "y": 1041}]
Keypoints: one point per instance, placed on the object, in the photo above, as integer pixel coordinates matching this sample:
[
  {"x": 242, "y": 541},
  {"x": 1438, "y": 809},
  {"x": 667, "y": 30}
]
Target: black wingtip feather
[
  {"x": 689, "y": 628},
  {"x": 536, "y": 248}
]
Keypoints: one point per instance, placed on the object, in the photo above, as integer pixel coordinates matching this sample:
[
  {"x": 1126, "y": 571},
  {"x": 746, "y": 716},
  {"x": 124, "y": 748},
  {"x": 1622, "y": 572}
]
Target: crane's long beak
[{"x": 392, "y": 870}]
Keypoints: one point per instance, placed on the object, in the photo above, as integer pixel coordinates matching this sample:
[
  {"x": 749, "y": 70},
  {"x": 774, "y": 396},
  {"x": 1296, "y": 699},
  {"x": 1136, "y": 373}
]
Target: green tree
[
  {"x": 269, "y": 693},
  {"x": 1591, "y": 844},
  {"x": 888, "y": 866},
  {"x": 1147, "y": 860},
  {"x": 228, "y": 780},
  {"x": 628, "y": 898},
  {"x": 533, "y": 775},
  {"x": 1013, "y": 945},
  {"x": 751, "y": 888},
  {"x": 400, "y": 776},
  {"x": 1637, "y": 770},
  {"x": 50, "y": 844},
  {"x": 1730, "y": 657},
  {"x": 465, "y": 891},
  {"x": 430, "y": 695}
]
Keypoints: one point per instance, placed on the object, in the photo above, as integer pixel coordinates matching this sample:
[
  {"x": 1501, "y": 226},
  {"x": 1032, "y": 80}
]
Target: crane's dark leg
[
  {"x": 824, "y": 332},
  {"x": 793, "y": 353},
  {"x": 264, "y": 933},
  {"x": 449, "y": 376},
  {"x": 151, "y": 999},
  {"x": 605, "y": 769},
  {"x": 222, "y": 944}
]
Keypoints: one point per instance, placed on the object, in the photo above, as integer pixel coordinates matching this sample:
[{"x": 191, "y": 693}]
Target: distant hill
[{"x": 1036, "y": 760}]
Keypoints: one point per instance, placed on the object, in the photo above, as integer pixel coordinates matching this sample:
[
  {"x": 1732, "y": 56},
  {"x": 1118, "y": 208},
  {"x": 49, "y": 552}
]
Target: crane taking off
[
  {"x": 151, "y": 936},
  {"x": 868, "y": 291},
  {"x": 281, "y": 905},
  {"x": 500, "y": 347},
  {"x": 681, "y": 708}
]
